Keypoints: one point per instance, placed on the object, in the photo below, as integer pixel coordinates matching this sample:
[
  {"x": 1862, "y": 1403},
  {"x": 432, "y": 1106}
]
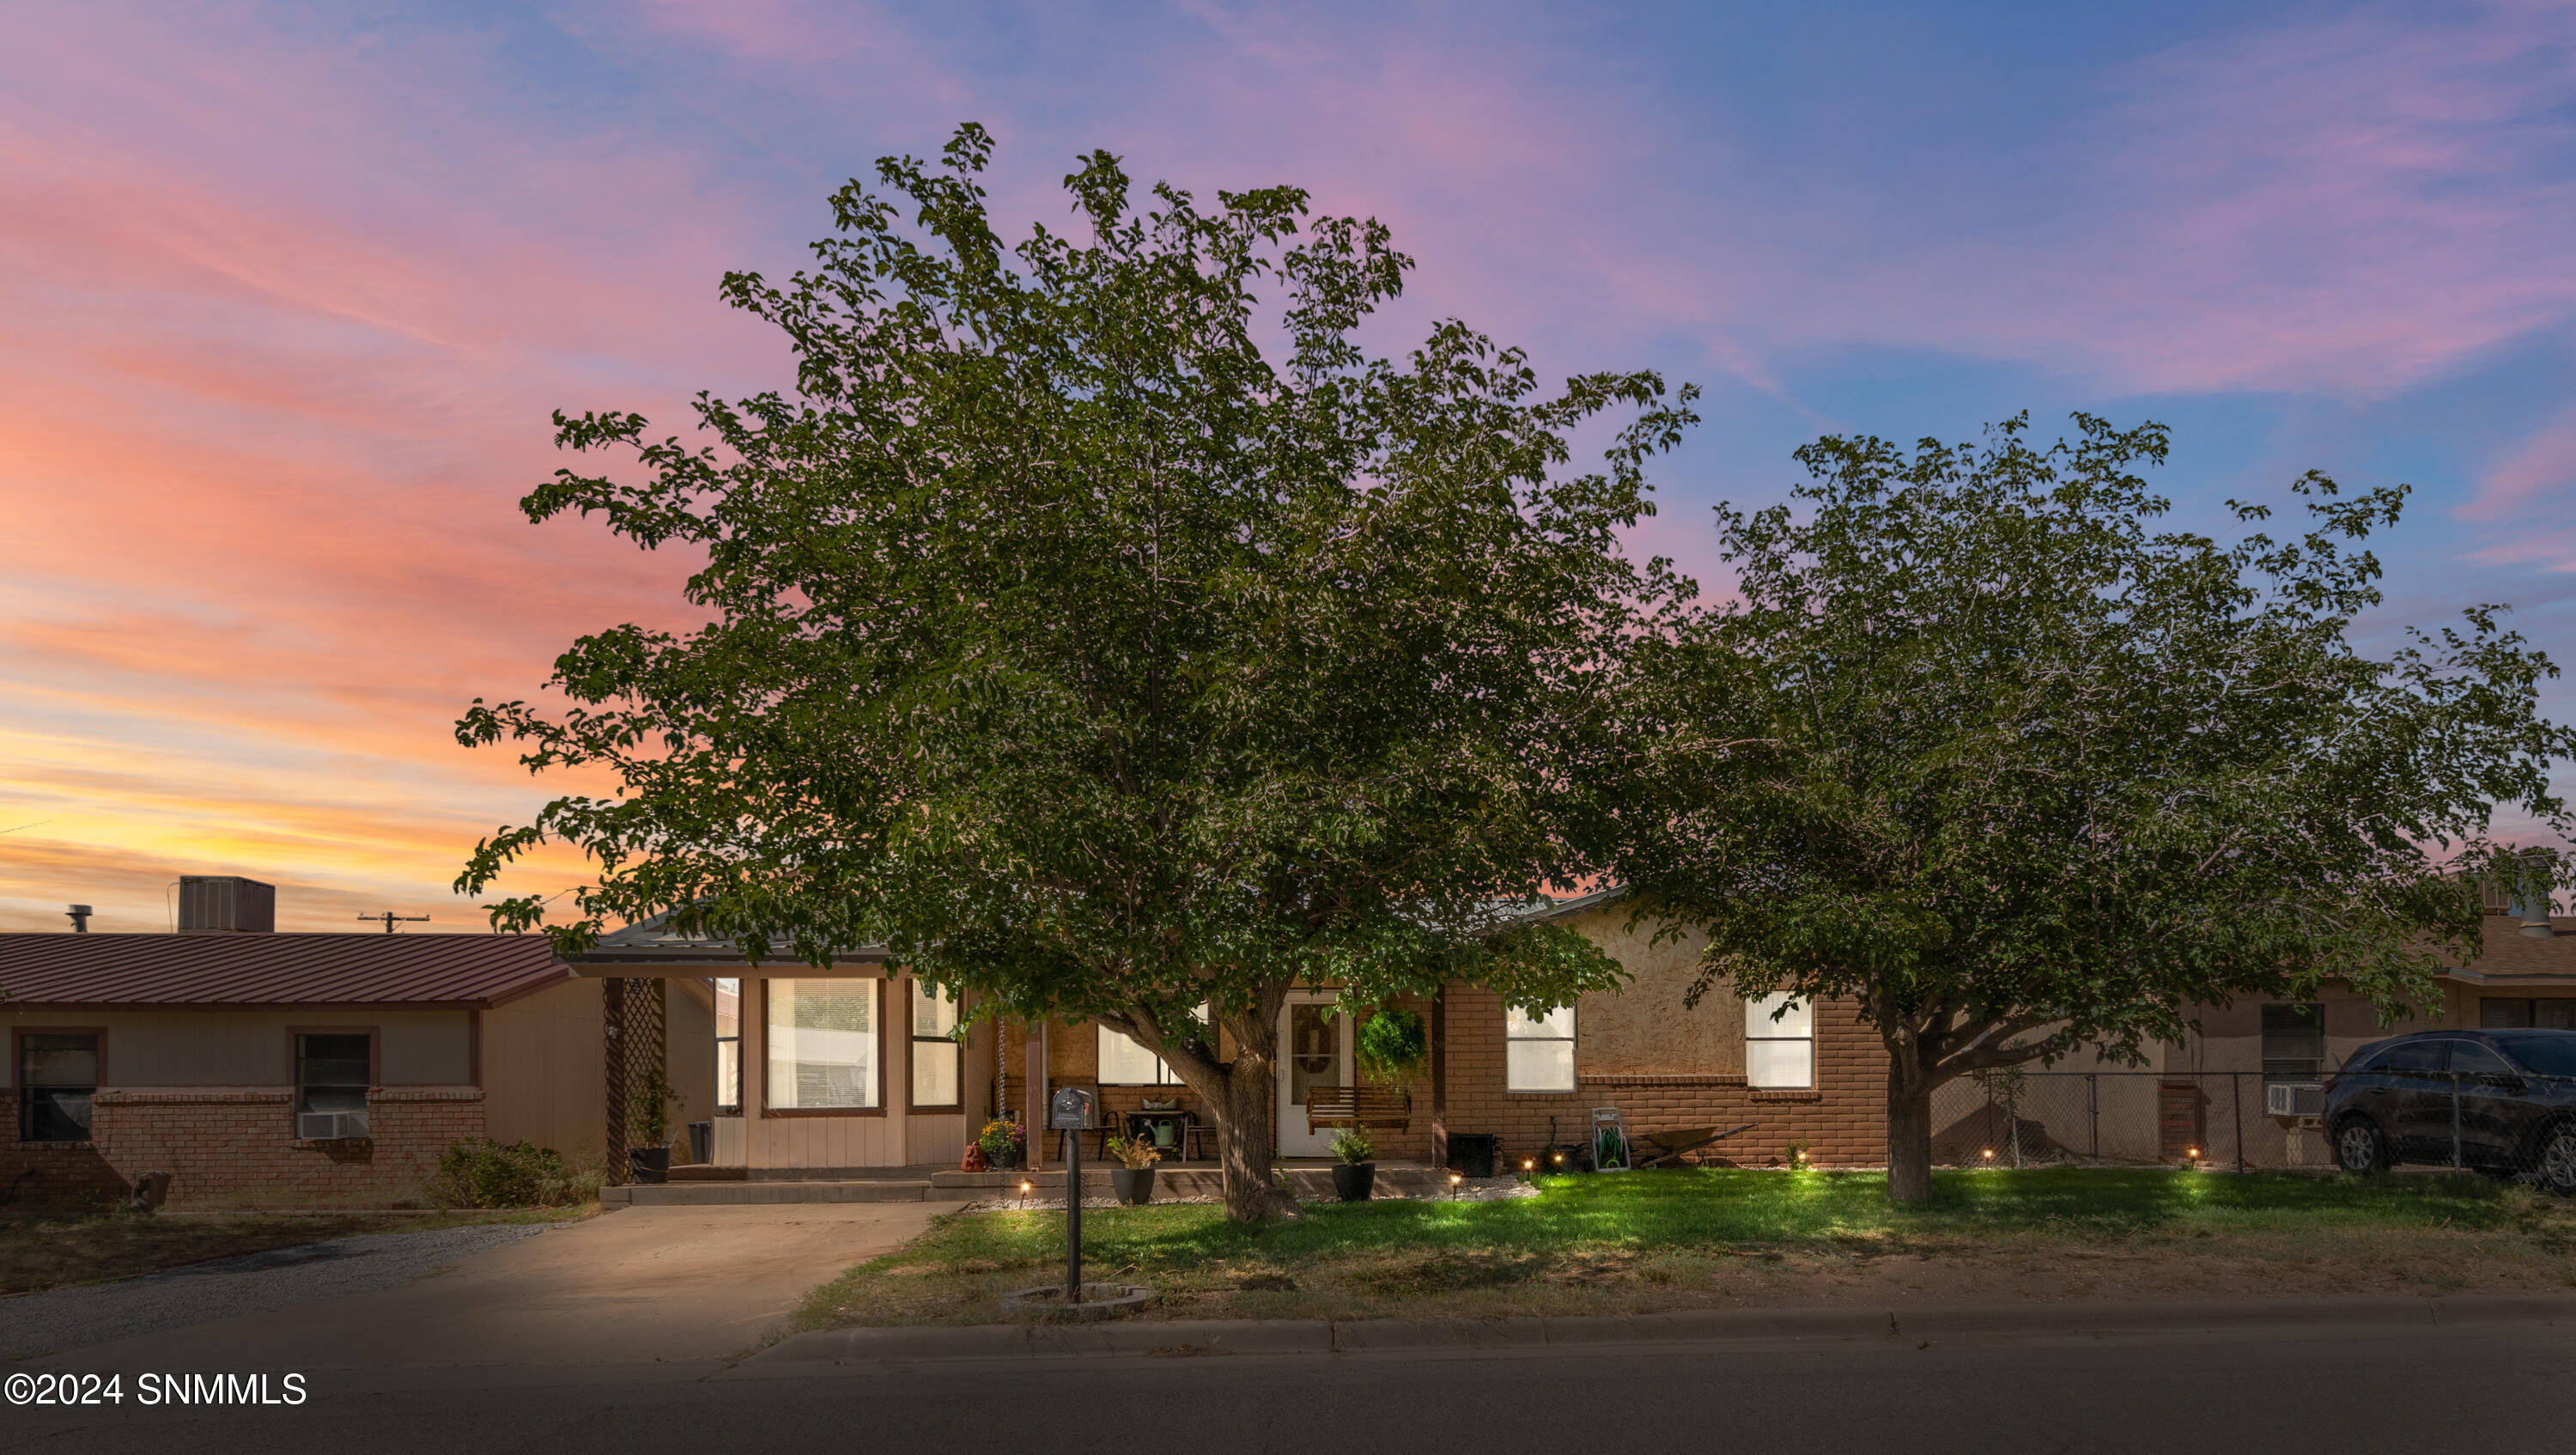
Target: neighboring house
[
  {"x": 856, "y": 1068},
  {"x": 305, "y": 1069}
]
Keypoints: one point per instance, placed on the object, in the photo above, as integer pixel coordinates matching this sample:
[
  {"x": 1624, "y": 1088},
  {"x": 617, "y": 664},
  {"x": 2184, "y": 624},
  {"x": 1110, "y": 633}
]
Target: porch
[{"x": 1310, "y": 1179}]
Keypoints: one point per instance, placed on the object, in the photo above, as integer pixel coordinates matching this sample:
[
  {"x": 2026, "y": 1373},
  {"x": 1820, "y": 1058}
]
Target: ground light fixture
[
  {"x": 1454, "y": 1179},
  {"x": 1988, "y": 1154}
]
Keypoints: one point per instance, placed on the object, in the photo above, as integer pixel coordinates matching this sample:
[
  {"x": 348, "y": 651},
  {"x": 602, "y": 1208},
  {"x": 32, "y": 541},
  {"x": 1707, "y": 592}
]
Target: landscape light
[{"x": 1990, "y": 1154}]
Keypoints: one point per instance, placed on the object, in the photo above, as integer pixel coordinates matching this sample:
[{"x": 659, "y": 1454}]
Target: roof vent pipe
[
  {"x": 79, "y": 915},
  {"x": 2533, "y": 911}
]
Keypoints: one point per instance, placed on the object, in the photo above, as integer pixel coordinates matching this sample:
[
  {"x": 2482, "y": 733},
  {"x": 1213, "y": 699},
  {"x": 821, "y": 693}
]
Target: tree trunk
[
  {"x": 1241, "y": 1097},
  {"x": 1909, "y": 1131}
]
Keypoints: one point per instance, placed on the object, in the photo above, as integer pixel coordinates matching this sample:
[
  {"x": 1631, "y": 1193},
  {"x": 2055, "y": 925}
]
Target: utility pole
[{"x": 392, "y": 919}]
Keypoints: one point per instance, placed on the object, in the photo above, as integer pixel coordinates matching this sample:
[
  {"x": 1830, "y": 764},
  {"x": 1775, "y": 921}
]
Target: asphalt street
[{"x": 2320, "y": 1387}]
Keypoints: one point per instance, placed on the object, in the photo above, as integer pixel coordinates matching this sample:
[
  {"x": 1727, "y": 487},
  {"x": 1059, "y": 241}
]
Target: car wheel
[
  {"x": 2558, "y": 1159},
  {"x": 2360, "y": 1148}
]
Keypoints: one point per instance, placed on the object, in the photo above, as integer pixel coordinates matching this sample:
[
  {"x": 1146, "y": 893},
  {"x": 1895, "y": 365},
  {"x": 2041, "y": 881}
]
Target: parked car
[{"x": 2504, "y": 1099}]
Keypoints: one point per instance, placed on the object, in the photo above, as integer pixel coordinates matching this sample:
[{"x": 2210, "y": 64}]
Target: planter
[
  {"x": 1008, "y": 1159},
  {"x": 1353, "y": 1180},
  {"x": 650, "y": 1165},
  {"x": 1134, "y": 1185}
]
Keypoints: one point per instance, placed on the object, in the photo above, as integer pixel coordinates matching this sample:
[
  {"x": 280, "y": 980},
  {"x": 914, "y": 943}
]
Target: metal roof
[
  {"x": 648, "y": 945},
  {"x": 217, "y": 969}
]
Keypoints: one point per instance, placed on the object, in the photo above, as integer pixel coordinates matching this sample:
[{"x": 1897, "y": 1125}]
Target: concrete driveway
[{"x": 639, "y": 1286}]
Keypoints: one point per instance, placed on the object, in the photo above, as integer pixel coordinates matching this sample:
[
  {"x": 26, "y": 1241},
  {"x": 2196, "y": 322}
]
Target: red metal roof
[{"x": 288, "y": 969}]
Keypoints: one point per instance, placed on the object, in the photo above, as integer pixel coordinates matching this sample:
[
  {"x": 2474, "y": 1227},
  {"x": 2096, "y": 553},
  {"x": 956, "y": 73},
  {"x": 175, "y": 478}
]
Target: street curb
[{"x": 803, "y": 1353}]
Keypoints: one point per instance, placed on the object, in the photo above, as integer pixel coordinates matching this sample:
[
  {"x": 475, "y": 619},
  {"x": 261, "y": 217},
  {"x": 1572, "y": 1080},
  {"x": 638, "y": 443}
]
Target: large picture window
[
  {"x": 728, "y": 1048},
  {"x": 1124, "y": 1063},
  {"x": 1538, "y": 1050},
  {"x": 1779, "y": 1042},
  {"x": 57, "y": 1075},
  {"x": 823, "y": 1045},
  {"x": 936, "y": 1056}
]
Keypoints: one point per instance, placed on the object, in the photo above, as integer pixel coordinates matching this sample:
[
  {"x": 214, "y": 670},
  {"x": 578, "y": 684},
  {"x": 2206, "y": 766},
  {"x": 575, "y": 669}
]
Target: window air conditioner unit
[
  {"x": 330, "y": 1126},
  {"x": 2293, "y": 1099}
]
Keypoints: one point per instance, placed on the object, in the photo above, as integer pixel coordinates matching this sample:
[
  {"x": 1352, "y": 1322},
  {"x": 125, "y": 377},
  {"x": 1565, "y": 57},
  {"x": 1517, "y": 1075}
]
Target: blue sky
[{"x": 288, "y": 292}]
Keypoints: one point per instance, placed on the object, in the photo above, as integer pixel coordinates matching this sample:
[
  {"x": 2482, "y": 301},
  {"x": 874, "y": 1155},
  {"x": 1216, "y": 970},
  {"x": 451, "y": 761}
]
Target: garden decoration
[
  {"x": 1133, "y": 1181},
  {"x": 1355, "y": 1173}
]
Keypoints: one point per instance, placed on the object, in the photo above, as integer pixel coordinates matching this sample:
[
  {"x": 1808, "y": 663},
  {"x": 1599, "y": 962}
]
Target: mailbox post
[{"x": 1069, "y": 1112}]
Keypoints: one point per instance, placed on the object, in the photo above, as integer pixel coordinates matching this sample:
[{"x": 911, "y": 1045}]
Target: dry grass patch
[{"x": 38, "y": 1253}]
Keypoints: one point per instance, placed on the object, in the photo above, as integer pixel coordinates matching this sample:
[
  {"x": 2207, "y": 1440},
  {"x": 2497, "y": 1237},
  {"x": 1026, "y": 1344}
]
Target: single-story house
[
  {"x": 824, "y": 1072},
  {"x": 310, "y": 1069}
]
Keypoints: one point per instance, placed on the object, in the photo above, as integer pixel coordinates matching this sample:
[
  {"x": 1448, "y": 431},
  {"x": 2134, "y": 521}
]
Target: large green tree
[
  {"x": 1102, "y": 638},
  {"x": 1978, "y": 746}
]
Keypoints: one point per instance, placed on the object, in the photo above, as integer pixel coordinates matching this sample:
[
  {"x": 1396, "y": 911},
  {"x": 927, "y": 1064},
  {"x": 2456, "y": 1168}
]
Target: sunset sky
[{"x": 286, "y": 297}]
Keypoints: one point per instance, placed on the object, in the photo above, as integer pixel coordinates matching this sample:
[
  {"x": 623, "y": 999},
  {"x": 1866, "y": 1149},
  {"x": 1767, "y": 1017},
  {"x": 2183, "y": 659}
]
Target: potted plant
[
  {"x": 1133, "y": 1182},
  {"x": 1005, "y": 1143},
  {"x": 1356, "y": 1173},
  {"x": 649, "y": 1160}
]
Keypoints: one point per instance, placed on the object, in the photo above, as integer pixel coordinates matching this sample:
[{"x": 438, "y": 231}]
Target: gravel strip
[{"x": 36, "y": 1324}]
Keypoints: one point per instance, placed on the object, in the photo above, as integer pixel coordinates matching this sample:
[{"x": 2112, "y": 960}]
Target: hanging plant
[{"x": 1394, "y": 1045}]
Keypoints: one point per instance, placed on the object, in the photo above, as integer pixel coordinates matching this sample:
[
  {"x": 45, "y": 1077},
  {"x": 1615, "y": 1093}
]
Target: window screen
[
  {"x": 1538, "y": 1050},
  {"x": 936, "y": 1056},
  {"x": 2508, "y": 1012},
  {"x": 57, "y": 1075},
  {"x": 2294, "y": 1042},
  {"x": 728, "y": 1048},
  {"x": 332, "y": 1072},
  {"x": 1779, "y": 1052},
  {"x": 823, "y": 1045}
]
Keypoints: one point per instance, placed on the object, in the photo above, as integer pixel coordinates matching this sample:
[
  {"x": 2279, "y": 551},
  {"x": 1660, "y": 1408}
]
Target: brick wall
[
  {"x": 239, "y": 1146},
  {"x": 1843, "y": 1118}
]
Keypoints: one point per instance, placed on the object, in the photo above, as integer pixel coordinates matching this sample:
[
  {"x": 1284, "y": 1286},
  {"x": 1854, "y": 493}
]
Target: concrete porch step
[{"x": 728, "y": 1194}]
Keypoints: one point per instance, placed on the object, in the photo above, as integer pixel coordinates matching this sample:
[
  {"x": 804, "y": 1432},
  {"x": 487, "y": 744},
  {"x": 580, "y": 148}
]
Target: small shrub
[
  {"x": 1354, "y": 1145},
  {"x": 486, "y": 1173},
  {"x": 1137, "y": 1155}
]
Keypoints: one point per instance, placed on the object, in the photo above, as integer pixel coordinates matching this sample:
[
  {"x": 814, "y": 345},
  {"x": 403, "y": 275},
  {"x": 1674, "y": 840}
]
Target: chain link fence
[{"x": 2517, "y": 1125}]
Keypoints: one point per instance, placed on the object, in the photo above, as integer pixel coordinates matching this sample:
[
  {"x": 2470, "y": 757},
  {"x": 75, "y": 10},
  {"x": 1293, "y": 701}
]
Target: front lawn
[
  {"x": 55, "y": 1252},
  {"x": 1726, "y": 1237}
]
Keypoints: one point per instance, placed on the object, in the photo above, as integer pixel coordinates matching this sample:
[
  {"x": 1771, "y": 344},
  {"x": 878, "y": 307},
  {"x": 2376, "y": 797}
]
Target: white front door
[{"x": 1314, "y": 1050}]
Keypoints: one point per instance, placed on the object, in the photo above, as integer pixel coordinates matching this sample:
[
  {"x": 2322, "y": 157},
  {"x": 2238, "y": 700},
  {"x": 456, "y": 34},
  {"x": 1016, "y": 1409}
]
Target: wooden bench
[{"x": 1358, "y": 1106}]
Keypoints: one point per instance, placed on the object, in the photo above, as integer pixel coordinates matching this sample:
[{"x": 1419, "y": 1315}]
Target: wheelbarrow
[{"x": 1666, "y": 1149}]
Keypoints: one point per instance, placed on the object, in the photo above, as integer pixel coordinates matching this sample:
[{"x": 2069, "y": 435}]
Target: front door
[{"x": 1314, "y": 1050}]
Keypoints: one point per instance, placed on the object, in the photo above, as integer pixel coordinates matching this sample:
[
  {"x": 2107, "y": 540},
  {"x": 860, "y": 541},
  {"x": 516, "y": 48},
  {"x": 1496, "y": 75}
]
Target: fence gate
[{"x": 632, "y": 1012}]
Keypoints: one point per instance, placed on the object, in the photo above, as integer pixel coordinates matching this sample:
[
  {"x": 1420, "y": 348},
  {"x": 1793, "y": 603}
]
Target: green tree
[
  {"x": 1102, "y": 641},
  {"x": 1975, "y": 746}
]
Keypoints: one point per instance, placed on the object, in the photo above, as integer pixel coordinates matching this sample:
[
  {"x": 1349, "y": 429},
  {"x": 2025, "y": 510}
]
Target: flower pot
[
  {"x": 1134, "y": 1185},
  {"x": 1353, "y": 1180},
  {"x": 1002, "y": 1159},
  {"x": 649, "y": 1164}
]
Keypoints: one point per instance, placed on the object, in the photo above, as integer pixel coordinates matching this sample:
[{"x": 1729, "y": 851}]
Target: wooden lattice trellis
[{"x": 636, "y": 1040}]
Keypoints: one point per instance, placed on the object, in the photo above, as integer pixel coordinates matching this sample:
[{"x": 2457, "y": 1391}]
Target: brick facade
[
  {"x": 238, "y": 1146},
  {"x": 1842, "y": 1118}
]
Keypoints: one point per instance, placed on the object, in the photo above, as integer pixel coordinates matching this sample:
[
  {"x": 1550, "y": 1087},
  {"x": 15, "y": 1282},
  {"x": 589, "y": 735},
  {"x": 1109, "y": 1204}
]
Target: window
[
  {"x": 1124, "y": 1063},
  {"x": 823, "y": 1045},
  {"x": 728, "y": 1048},
  {"x": 1538, "y": 1050},
  {"x": 2408, "y": 1056},
  {"x": 936, "y": 1056},
  {"x": 334, "y": 1070},
  {"x": 2500, "y": 1012},
  {"x": 2468, "y": 1058},
  {"x": 1779, "y": 1042},
  {"x": 2294, "y": 1043},
  {"x": 57, "y": 1075}
]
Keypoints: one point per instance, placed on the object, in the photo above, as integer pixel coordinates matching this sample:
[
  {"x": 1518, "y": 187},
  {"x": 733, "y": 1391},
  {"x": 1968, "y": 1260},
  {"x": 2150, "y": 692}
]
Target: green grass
[{"x": 1662, "y": 1239}]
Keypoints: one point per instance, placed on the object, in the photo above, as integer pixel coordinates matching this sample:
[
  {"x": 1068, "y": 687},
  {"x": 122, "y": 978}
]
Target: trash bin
[
  {"x": 702, "y": 1143},
  {"x": 1472, "y": 1153}
]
